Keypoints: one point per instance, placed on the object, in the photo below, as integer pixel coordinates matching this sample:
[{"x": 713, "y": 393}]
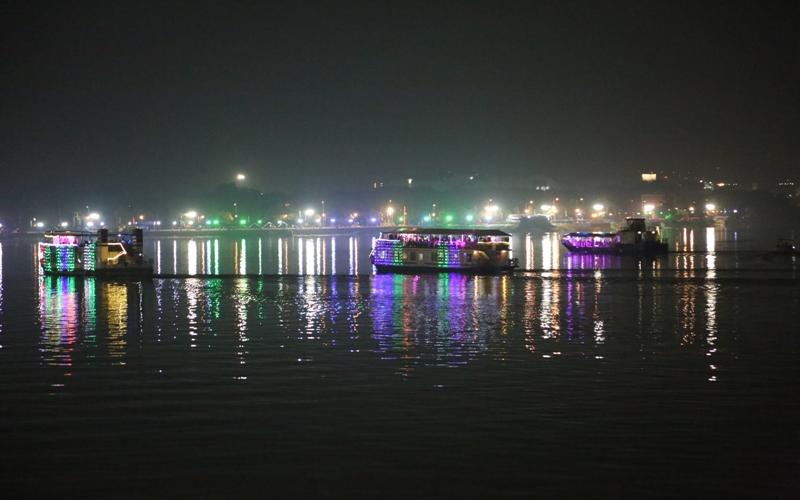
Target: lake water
[{"x": 591, "y": 376}]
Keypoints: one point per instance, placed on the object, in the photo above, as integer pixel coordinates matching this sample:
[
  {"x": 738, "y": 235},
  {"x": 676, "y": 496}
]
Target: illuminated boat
[
  {"x": 438, "y": 250},
  {"x": 635, "y": 238},
  {"x": 70, "y": 253}
]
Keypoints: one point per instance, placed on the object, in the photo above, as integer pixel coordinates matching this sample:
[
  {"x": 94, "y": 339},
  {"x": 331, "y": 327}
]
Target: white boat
[
  {"x": 442, "y": 250},
  {"x": 70, "y": 253}
]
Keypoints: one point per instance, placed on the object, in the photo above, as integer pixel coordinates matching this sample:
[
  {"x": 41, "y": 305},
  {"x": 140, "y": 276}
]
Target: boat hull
[
  {"x": 128, "y": 273},
  {"x": 403, "y": 269},
  {"x": 649, "y": 249}
]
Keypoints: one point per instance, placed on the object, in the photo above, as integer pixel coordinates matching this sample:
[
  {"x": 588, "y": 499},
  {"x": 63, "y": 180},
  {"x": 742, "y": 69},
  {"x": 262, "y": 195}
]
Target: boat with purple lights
[
  {"x": 634, "y": 239},
  {"x": 415, "y": 250}
]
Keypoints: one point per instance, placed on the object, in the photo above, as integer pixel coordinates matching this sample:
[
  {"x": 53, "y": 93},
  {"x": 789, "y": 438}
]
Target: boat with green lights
[
  {"x": 74, "y": 253},
  {"x": 414, "y": 250}
]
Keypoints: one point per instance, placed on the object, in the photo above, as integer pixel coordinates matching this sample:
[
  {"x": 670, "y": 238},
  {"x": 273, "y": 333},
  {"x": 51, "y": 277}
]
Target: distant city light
[
  {"x": 299, "y": 221},
  {"x": 208, "y": 222},
  {"x": 93, "y": 216},
  {"x": 259, "y": 221},
  {"x": 448, "y": 218},
  {"x": 90, "y": 224},
  {"x": 333, "y": 221},
  {"x": 174, "y": 223},
  {"x": 598, "y": 207},
  {"x": 373, "y": 220},
  {"x": 648, "y": 208},
  {"x": 389, "y": 211},
  {"x": 240, "y": 177},
  {"x": 242, "y": 222},
  {"x": 427, "y": 218},
  {"x": 469, "y": 217},
  {"x": 191, "y": 214},
  {"x": 711, "y": 207},
  {"x": 309, "y": 212},
  {"x": 64, "y": 224}
]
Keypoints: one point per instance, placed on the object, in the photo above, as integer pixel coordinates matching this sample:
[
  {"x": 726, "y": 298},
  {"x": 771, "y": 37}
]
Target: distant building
[
  {"x": 787, "y": 188},
  {"x": 649, "y": 177}
]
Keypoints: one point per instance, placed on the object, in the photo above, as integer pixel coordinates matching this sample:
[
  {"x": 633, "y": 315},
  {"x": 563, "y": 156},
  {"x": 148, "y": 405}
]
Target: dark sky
[{"x": 325, "y": 95}]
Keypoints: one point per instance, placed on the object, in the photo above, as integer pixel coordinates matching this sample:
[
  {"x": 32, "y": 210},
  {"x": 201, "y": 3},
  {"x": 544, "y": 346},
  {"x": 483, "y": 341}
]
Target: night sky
[{"x": 301, "y": 96}]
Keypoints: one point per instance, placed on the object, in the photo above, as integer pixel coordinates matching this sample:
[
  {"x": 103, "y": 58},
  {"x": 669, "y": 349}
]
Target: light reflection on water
[{"x": 411, "y": 321}]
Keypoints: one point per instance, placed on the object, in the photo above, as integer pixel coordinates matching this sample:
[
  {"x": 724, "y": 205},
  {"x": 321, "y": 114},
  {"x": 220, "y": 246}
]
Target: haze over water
[{"x": 594, "y": 375}]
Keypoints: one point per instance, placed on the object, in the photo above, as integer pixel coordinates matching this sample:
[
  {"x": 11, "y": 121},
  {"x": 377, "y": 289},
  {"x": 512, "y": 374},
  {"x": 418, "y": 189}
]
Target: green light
[
  {"x": 470, "y": 217},
  {"x": 259, "y": 221},
  {"x": 242, "y": 222},
  {"x": 448, "y": 218},
  {"x": 216, "y": 222}
]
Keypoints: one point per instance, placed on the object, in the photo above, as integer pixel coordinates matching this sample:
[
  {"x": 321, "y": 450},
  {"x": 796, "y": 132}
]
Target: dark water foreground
[{"x": 554, "y": 384}]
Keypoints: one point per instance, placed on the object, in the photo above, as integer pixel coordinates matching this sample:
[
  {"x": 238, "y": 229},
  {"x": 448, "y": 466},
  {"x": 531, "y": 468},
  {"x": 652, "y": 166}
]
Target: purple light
[{"x": 585, "y": 241}]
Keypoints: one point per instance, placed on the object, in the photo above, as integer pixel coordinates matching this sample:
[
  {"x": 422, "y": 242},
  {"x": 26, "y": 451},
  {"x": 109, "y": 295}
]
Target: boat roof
[
  {"x": 68, "y": 233},
  {"x": 589, "y": 233},
  {"x": 448, "y": 231}
]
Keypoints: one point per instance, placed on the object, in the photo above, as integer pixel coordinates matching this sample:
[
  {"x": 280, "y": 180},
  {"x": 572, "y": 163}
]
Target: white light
[
  {"x": 491, "y": 209},
  {"x": 333, "y": 221},
  {"x": 240, "y": 177},
  {"x": 40, "y": 224},
  {"x": 546, "y": 207},
  {"x": 373, "y": 220},
  {"x": 598, "y": 207},
  {"x": 299, "y": 221},
  {"x": 191, "y": 214},
  {"x": 711, "y": 207},
  {"x": 64, "y": 224},
  {"x": 389, "y": 211},
  {"x": 648, "y": 208},
  {"x": 309, "y": 212},
  {"x": 93, "y": 216},
  {"x": 90, "y": 224},
  {"x": 174, "y": 223}
]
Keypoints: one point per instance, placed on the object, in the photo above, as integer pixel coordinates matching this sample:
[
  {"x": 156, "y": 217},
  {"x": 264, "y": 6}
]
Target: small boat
[
  {"x": 787, "y": 247},
  {"x": 73, "y": 253},
  {"x": 635, "y": 238},
  {"x": 443, "y": 250}
]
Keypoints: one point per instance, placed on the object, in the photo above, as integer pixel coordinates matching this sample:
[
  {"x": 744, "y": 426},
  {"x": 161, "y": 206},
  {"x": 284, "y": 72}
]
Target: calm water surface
[{"x": 591, "y": 376}]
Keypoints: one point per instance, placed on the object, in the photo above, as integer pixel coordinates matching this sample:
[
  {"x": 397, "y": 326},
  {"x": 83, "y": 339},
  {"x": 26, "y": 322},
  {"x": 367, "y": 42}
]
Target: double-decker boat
[
  {"x": 635, "y": 238},
  {"x": 436, "y": 250},
  {"x": 73, "y": 253}
]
